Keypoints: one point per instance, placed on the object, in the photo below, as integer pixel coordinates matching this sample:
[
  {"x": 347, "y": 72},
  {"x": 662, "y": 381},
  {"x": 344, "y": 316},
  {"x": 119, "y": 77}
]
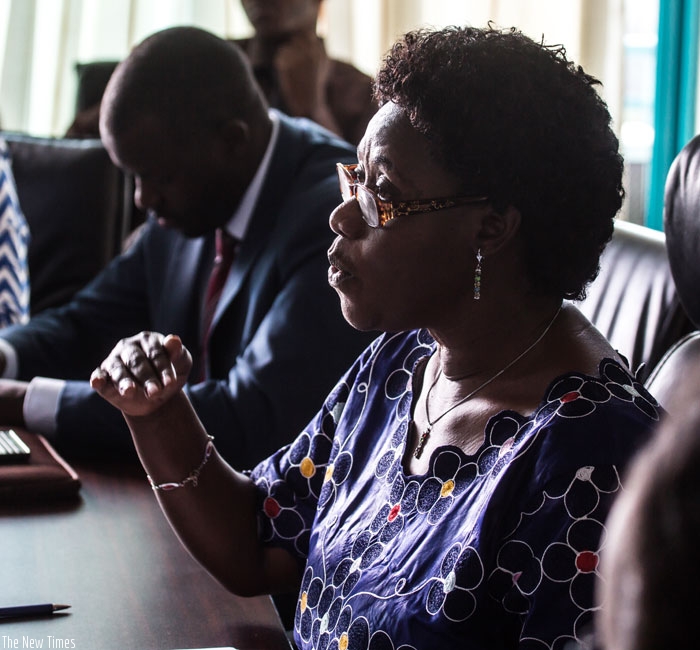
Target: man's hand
[
  {"x": 12, "y": 394},
  {"x": 143, "y": 372}
]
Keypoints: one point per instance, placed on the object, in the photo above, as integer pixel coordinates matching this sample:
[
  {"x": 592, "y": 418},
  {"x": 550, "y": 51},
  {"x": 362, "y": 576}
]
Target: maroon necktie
[{"x": 225, "y": 249}]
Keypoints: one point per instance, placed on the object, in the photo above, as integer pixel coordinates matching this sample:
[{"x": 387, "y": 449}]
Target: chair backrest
[
  {"x": 682, "y": 227},
  {"x": 633, "y": 301},
  {"x": 78, "y": 207},
  {"x": 92, "y": 80}
]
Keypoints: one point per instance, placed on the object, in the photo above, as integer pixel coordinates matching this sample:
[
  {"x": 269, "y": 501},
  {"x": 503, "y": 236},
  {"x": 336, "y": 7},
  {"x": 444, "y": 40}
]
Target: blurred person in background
[{"x": 296, "y": 74}]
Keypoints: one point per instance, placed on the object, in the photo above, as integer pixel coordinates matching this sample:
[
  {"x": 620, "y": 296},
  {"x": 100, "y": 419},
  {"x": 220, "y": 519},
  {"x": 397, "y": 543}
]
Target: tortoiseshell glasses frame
[{"x": 377, "y": 212}]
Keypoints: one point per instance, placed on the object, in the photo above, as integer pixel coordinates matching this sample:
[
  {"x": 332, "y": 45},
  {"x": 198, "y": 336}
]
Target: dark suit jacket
[{"x": 279, "y": 341}]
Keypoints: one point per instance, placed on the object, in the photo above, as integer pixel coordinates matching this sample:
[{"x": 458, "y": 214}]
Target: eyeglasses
[{"x": 377, "y": 212}]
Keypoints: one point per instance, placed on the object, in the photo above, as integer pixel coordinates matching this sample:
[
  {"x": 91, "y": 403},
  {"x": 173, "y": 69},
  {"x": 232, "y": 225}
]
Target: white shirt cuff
[
  {"x": 11, "y": 367},
  {"x": 41, "y": 404}
]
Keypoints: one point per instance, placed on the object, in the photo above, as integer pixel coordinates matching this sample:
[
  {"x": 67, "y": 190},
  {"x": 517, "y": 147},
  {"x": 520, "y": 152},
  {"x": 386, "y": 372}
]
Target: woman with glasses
[{"x": 453, "y": 488}]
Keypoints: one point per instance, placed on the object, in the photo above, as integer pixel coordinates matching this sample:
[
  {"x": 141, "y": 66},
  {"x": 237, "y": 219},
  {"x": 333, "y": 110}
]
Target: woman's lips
[{"x": 338, "y": 270}]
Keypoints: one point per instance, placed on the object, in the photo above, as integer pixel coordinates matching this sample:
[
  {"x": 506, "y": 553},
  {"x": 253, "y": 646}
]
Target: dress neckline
[{"x": 414, "y": 389}]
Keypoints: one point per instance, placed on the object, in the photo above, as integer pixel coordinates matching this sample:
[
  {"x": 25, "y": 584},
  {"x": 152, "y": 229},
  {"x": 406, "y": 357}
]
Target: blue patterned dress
[{"x": 494, "y": 550}]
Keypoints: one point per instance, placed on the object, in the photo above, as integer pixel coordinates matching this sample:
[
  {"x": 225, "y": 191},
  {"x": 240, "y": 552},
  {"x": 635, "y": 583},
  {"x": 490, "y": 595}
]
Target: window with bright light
[{"x": 641, "y": 20}]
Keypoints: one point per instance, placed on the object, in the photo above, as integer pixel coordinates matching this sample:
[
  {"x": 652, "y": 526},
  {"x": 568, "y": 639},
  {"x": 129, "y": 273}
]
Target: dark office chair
[
  {"x": 682, "y": 226},
  {"x": 634, "y": 301},
  {"x": 78, "y": 207},
  {"x": 92, "y": 80}
]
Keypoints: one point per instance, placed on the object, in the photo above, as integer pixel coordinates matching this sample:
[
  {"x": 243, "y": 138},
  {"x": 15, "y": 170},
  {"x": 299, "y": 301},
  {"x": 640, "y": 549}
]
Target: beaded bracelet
[{"x": 194, "y": 474}]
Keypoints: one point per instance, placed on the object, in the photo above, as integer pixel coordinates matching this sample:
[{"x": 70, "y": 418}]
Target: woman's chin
[{"x": 358, "y": 318}]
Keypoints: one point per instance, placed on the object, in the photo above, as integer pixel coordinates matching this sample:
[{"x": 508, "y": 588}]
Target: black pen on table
[{"x": 31, "y": 610}]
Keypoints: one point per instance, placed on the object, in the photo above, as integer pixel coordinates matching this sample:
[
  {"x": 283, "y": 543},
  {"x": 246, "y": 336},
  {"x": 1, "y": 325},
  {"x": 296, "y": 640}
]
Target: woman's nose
[{"x": 346, "y": 220}]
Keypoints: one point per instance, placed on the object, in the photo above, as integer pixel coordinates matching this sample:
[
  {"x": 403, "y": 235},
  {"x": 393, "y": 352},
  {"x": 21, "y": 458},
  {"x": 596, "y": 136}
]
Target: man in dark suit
[{"x": 183, "y": 114}]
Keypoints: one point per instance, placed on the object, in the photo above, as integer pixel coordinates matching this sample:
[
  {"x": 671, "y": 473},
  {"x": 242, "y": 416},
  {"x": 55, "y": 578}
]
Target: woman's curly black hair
[{"x": 522, "y": 124}]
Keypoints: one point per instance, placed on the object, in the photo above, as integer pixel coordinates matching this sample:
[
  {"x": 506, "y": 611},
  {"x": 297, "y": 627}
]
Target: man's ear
[
  {"x": 235, "y": 134},
  {"x": 498, "y": 229}
]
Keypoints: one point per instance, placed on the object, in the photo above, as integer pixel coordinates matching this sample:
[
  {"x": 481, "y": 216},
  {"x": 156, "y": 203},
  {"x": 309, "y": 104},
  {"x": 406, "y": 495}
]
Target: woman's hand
[
  {"x": 216, "y": 520},
  {"x": 143, "y": 372}
]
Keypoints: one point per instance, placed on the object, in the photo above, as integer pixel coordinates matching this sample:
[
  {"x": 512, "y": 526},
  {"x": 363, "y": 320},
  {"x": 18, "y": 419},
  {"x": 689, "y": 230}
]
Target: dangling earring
[{"x": 477, "y": 276}]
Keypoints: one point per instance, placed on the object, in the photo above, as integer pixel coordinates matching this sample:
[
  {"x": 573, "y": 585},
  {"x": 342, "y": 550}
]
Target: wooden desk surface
[{"x": 132, "y": 586}]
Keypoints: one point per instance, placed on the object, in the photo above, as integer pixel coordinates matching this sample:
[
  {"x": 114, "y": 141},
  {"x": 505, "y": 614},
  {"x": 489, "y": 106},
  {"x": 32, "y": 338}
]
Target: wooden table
[{"x": 132, "y": 586}]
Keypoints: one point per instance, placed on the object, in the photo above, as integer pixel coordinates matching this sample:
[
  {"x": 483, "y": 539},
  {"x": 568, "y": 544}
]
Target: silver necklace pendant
[
  {"x": 431, "y": 423},
  {"x": 418, "y": 452}
]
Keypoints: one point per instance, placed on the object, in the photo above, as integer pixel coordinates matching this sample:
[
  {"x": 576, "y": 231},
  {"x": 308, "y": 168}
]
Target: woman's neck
[{"x": 485, "y": 343}]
